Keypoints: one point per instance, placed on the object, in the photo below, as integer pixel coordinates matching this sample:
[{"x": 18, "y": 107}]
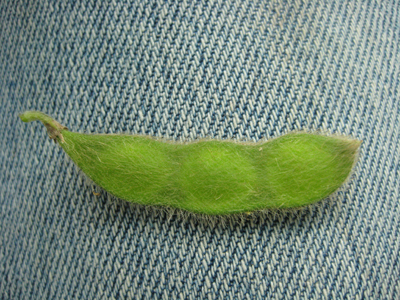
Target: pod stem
[{"x": 53, "y": 127}]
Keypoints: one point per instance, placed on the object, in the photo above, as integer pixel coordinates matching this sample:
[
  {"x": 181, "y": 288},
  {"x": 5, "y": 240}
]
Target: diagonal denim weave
[{"x": 184, "y": 70}]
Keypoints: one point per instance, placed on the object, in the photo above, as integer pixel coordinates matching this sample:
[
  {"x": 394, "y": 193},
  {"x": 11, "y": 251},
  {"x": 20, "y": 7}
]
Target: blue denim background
[{"x": 244, "y": 70}]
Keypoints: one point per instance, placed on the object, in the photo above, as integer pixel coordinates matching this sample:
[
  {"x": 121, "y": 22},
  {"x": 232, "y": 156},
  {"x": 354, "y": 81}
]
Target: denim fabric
[{"x": 243, "y": 70}]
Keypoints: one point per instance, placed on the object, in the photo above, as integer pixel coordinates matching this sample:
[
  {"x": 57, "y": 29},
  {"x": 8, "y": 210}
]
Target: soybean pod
[{"x": 213, "y": 177}]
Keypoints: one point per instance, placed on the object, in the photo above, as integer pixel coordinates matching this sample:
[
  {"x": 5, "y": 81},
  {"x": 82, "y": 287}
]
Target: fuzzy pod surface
[{"x": 212, "y": 177}]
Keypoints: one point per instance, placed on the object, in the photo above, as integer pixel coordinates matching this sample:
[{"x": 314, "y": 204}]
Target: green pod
[{"x": 211, "y": 177}]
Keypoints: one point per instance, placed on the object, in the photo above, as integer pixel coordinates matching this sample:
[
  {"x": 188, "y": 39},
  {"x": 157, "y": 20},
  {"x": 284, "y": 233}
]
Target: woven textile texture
[{"x": 244, "y": 70}]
